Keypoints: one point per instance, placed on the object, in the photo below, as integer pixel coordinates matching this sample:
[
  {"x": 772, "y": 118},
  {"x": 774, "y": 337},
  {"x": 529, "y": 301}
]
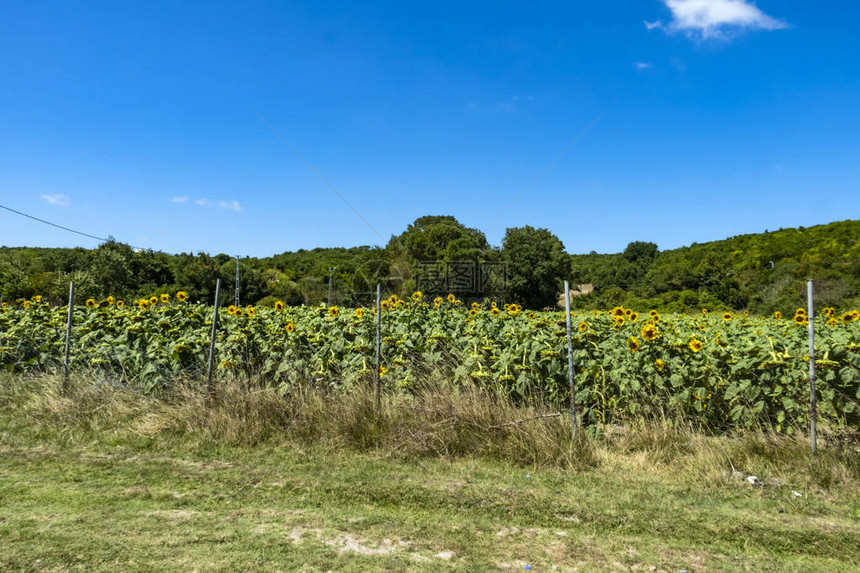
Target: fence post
[
  {"x": 813, "y": 410},
  {"x": 378, "y": 343},
  {"x": 570, "y": 354},
  {"x": 210, "y": 387},
  {"x": 68, "y": 336}
]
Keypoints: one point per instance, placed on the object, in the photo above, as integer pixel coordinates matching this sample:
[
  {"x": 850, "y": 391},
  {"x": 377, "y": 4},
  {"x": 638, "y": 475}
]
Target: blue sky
[{"x": 708, "y": 118}]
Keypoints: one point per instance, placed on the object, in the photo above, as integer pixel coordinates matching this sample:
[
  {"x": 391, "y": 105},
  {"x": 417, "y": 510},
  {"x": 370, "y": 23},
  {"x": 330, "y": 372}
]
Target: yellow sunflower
[
  {"x": 279, "y": 305},
  {"x": 290, "y": 327},
  {"x": 652, "y": 313},
  {"x": 90, "y": 303},
  {"x": 110, "y": 300},
  {"x": 416, "y": 296},
  {"x": 359, "y": 312},
  {"x": 153, "y": 300},
  {"x": 660, "y": 364},
  {"x": 165, "y": 297},
  {"x": 632, "y": 344},
  {"x": 801, "y": 319},
  {"x": 250, "y": 310},
  {"x": 583, "y": 326},
  {"x": 634, "y": 316},
  {"x": 695, "y": 345},
  {"x": 333, "y": 311},
  {"x": 474, "y": 312},
  {"x": 120, "y": 304},
  {"x": 182, "y": 296},
  {"x": 777, "y": 315},
  {"x": 727, "y": 316},
  {"x": 494, "y": 311},
  {"x": 451, "y": 297},
  {"x": 649, "y": 332},
  {"x": 26, "y": 304}
]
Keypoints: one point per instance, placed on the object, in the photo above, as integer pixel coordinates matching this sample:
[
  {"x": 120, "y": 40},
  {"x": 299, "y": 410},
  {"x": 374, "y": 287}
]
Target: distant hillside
[{"x": 761, "y": 272}]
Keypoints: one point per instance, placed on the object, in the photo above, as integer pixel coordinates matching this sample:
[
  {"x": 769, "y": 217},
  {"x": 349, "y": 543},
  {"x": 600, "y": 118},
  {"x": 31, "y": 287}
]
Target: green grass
[{"x": 108, "y": 480}]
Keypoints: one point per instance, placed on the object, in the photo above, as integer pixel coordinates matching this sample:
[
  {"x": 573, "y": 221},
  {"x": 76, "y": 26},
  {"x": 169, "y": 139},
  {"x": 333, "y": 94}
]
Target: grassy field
[{"x": 103, "y": 479}]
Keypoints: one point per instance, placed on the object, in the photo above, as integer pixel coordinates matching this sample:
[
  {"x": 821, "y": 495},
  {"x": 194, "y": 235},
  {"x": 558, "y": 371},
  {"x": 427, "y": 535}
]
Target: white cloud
[
  {"x": 201, "y": 202},
  {"x": 182, "y": 199},
  {"x": 643, "y": 66},
  {"x": 715, "y": 18},
  {"x": 231, "y": 205},
  {"x": 59, "y": 200}
]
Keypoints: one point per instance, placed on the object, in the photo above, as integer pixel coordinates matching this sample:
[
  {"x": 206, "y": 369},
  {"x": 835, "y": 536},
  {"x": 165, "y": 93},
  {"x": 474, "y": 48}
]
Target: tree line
[{"x": 437, "y": 254}]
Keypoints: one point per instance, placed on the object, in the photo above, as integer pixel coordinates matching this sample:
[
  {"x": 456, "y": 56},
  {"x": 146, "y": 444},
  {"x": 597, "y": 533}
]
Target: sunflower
[
  {"x": 382, "y": 371},
  {"x": 416, "y": 296},
  {"x": 619, "y": 321},
  {"x": 26, "y": 304},
  {"x": 120, "y": 304},
  {"x": 727, "y": 316},
  {"x": 474, "y": 312},
  {"x": 4, "y": 305},
  {"x": 848, "y": 317},
  {"x": 37, "y": 298},
  {"x": 649, "y": 332},
  {"x": 153, "y": 300},
  {"x": 583, "y": 326},
  {"x": 628, "y": 311},
  {"x": 250, "y": 310},
  {"x": 290, "y": 327},
  {"x": 777, "y": 315},
  {"x": 746, "y": 313},
  {"x": 831, "y": 322},
  {"x": 231, "y": 309},
  {"x": 182, "y": 296},
  {"x": 451, "y": 297},
  {"x": 359, "y": 312},
  {"x": 660, "y": 364},
  {"x": 632, "y": 344},
  {"x": 333, "y": 311},
  {"x": 695, "y": 345},
  {"x": 618, "y": 311},
  {"x": 705, "y": 311},
  {"x": 800, "y": 311},
  {"x": 110, "y": 300},
  {"x": 531, "y": 315},
  {"x": 238, "y": 312},
  {"x": 855, "y": 315},
  {"x": 801, "y": 319},
  {"x": 91, "y": 303},
  {"x": 144, "y": 304},
  {"x": 655, "y": 319},
  {"x": 494, "y": 311},
  {"x": 279, "y": 305},
  {"x": 437, "y": 302},
  {"x": 165, "y": 297},
  {"x": 458, "y": 302},
  {"x": 634, "y": 316}
]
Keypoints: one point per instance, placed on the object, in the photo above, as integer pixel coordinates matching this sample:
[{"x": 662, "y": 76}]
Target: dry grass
[{"x": 436, "y": 421}]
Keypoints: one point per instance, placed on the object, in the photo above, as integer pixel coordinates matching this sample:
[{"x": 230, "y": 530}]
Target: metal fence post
[
  {"x": 813, "y": 410},
  {"x": 570, "y": 354},
  {"x": 378, "y": 343},
  {"x": 68, "y": 336},
  {"x": 210, "y": 387}
]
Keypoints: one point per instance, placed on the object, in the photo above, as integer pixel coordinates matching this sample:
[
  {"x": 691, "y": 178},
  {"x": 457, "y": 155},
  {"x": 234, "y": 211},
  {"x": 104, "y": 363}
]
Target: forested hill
[
  {"x": 763, "y": 272},
  {"x": 760, "y": 272}
]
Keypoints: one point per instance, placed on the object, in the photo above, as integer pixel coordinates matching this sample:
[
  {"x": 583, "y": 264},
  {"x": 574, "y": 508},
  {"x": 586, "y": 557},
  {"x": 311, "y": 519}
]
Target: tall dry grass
[{"x": 435, "y": 420}]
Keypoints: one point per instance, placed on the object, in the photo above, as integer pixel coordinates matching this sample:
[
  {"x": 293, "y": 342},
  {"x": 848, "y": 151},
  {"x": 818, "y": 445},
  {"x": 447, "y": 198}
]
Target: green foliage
[
  {"x": 536, "y": 265},
  {"x": 718, "y": 370}
]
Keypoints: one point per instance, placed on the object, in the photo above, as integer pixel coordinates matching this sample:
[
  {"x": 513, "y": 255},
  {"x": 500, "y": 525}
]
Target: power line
[{"x": 102, "y": 239}]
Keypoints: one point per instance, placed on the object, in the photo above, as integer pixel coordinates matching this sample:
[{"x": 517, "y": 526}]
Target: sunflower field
[{"x": 721, "y": 370}]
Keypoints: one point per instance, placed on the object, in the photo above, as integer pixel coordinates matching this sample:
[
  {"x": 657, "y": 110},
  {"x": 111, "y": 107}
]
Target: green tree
[{"x": 536, "y": 265}]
